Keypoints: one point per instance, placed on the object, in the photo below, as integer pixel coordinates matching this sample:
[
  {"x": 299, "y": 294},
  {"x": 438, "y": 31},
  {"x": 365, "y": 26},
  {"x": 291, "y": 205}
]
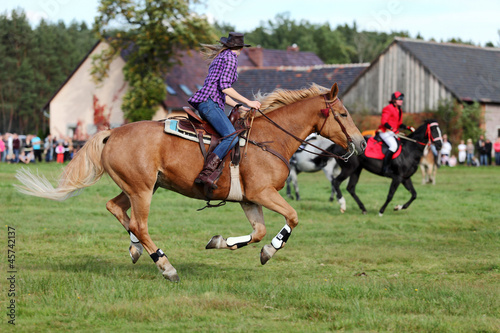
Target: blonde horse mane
[{"x": 281, "y": 97}]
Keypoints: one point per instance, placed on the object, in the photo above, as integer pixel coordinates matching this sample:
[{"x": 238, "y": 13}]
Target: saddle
[
  {"x": 196, "y": 129},
  {"x": 376, "y": 148}
]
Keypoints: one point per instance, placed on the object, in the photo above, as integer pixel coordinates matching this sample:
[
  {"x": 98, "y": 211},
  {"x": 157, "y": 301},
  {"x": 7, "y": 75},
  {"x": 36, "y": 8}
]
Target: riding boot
[
  {"x": 387, "y": 162},
  {"x": 209, "y": 174}
]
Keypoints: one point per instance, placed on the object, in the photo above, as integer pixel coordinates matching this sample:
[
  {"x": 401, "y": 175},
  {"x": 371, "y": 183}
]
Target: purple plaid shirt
[{"x": 222, "y": 74}]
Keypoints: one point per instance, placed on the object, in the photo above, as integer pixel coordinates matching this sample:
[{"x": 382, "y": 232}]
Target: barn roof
[
  {"x": 250, "y": 81},
  {"x": 471, "y": 73},
  {"x": 260, "y": 57},
  {"x": 194, "y": 69}
]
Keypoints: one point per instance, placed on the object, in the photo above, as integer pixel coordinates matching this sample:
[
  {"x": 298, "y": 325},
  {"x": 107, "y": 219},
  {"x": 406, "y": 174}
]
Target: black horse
[{"x": 401, "y": 168}]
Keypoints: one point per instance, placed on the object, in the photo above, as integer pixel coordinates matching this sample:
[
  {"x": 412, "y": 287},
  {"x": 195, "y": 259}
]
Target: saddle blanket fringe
[{"x": 235, "y": 193}]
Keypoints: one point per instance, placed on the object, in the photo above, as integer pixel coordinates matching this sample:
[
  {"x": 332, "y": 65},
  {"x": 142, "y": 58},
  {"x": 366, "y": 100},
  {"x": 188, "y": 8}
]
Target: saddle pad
[
  {"x": 374, "y": 149},
  {"x": 172, "y": 127}
]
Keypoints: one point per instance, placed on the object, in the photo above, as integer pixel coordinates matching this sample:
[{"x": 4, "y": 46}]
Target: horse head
[
  {"x": 429, "y": 132},
  {"x": 336, "y": 124}
]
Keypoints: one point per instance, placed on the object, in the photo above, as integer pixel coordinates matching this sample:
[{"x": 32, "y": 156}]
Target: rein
[
  {"x": 326, "y": 113},
  {"x": 428, "y": 134}
]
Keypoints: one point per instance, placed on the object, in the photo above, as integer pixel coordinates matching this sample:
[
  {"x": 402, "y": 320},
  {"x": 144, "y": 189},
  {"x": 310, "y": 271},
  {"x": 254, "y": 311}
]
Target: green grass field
[{"x": 432, "y": 268}]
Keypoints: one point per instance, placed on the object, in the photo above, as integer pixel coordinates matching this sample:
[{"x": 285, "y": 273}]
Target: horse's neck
[
  {"x": 295, "y": 119},
  {"x": 417, "y": 147}
]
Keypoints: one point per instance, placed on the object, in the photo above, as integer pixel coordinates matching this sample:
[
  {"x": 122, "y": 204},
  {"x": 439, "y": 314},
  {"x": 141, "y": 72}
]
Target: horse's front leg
[
  {"x": 336, "y": 187},
  {"x": 424, "y": 174},
  {"x": 329, "y": 171},
  {"x": 408, "y": 184},
  {"x": 351, "y": 188},
  {"x": 433, "y": 173},
  {"x": 394, "y": 186},
  {"x": 255, "y": 216},
  {"x": 118, "y": 206},
  {"x": 271, "y": 199},
  {"x": 293, "y": 178}
]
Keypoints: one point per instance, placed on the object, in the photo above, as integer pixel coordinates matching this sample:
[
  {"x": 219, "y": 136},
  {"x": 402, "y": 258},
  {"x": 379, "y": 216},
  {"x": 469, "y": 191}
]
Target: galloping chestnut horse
[
  {"x": 401, "y": 169},
  {"x": 160, "y": 160}
]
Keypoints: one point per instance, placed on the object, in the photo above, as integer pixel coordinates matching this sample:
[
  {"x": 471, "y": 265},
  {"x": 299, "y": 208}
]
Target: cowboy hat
[{"x": 234, "y": 39}]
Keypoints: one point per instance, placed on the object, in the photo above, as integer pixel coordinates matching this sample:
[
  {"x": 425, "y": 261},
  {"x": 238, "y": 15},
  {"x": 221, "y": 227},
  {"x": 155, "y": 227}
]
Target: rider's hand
[
  {"x": 411, "y": 128},
  {"x": 254, "y": 104}
]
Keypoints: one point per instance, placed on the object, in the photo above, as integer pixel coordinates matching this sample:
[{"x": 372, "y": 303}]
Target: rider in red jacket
[{"x": 391, "y": 122}]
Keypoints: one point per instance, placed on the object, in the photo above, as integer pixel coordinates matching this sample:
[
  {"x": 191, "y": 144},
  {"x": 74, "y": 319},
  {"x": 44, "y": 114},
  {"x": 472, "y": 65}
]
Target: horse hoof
[
  {"x": 217, "y": 242},
  {"x": 364, "y": 212},
  {"x": 380, "y": 214},
  {"x": 171, "y": 275},
  {"x": 342, "y": 210},
  {"x": 398, "y": 207},
  {"x": 267, "y": 253},
  {"x": 135, "y": 251}
]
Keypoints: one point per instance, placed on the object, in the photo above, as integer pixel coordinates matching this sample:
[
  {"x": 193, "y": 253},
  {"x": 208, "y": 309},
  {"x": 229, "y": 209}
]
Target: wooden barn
[{"x": 427, "y": 72}]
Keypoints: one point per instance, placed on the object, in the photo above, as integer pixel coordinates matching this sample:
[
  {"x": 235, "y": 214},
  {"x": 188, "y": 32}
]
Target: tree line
[{"x": 35, "y": 61}]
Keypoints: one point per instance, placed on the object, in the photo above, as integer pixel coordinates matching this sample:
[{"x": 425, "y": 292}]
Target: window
[
  {"x": 185, "y": 89},
  {"x": 171, "y": 90}
]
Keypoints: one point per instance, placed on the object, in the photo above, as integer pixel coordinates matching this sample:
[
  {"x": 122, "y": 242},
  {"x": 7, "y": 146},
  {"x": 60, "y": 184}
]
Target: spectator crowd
[
  {"x": 30, "y": 148},
  {"x": 15, "y": 148},
  {"x": 481, "y": 153}
]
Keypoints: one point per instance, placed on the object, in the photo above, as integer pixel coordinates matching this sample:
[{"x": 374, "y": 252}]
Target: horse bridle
[
  {"x": 326, "y": 112},
  {"x": 428, "y": 134}
]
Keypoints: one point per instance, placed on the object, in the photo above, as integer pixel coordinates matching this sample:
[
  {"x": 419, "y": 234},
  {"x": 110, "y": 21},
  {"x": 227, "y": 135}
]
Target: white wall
[
  {"x": 492, "y": 121},
  {"x": 74, "y": 102}
]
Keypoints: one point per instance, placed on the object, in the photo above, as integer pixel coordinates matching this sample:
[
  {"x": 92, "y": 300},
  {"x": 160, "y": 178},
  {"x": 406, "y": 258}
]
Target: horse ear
[{"x": 334, "y": 91}]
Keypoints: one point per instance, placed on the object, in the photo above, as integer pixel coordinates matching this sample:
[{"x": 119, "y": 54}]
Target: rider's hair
[{"x": 210, "y": 51}]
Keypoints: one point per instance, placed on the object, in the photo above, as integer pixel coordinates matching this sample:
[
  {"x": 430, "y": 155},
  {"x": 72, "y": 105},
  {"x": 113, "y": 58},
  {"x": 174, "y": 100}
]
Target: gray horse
[{"x": 309, "y": 159}]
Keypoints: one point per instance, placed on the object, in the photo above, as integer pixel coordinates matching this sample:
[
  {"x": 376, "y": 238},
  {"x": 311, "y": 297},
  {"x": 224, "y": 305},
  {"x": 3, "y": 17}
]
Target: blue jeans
[
  {"x": 211, "y": 112},
  {"x": 469, "y": 158},
  {"x": 483, "y": 158}
]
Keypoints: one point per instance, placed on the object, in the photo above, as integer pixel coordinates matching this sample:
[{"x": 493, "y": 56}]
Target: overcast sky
[{"x": 477, "y": 21}]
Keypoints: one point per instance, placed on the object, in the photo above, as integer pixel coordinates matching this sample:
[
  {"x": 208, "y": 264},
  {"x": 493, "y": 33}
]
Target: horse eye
[{"x": 344, "y": 115}]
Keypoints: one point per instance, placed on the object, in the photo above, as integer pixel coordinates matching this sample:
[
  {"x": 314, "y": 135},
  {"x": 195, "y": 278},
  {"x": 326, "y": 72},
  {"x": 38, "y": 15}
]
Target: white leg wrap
[
  {"x": 133, "y": 239},
  {"x": 281, "y": 237},
  {"x": 239, "y": 241},
  {"x": 343, "y": 205}
]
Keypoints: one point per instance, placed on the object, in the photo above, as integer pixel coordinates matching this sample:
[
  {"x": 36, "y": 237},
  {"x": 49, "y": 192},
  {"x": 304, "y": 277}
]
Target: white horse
[{"x": 310, "y": 159}]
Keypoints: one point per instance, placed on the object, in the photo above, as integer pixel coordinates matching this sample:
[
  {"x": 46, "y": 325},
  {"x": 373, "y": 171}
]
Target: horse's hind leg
[
  {"x": 408, "y": 184},
  {"x": 140, "y": 204},
  {"x": 255, "y": 216},
  {"x": 118, "y": 206}
]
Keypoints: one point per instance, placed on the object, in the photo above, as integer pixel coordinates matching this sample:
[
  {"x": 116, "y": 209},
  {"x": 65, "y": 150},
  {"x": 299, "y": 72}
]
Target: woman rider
[{"x": 217, "y": 91}]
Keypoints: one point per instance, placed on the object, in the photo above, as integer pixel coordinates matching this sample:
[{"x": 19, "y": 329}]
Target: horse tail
[{"x": 84, "y": 170}]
